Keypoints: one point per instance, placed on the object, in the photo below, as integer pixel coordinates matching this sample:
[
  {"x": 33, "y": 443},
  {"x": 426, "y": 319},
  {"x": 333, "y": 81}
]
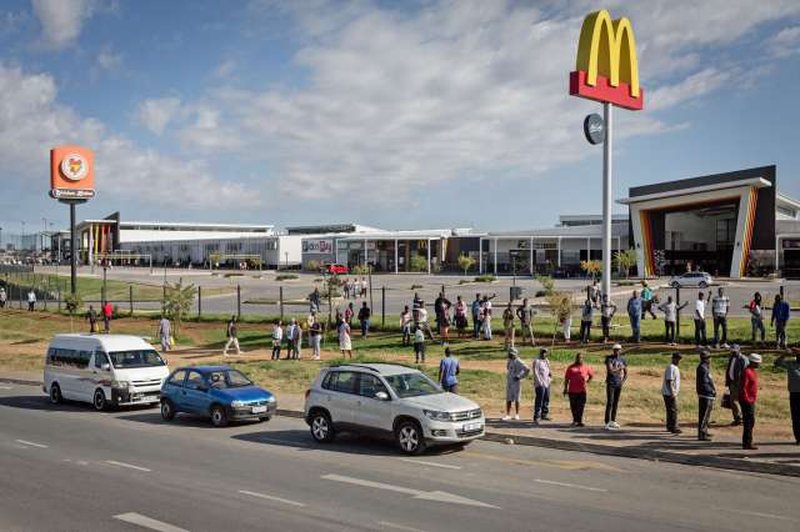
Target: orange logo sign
[{"x": 71, "y": 172}]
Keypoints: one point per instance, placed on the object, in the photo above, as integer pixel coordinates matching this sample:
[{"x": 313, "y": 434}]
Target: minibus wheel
[
  {"x": 55, "y": 394},
  {"x": 99, "y": 400}
]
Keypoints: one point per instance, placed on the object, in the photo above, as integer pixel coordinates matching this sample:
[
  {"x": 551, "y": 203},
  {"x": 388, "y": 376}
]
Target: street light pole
[{"x": 607, "y": 152}]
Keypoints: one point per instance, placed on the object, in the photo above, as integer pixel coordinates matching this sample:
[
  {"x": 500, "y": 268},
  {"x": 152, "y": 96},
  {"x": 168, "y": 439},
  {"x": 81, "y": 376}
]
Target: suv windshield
[
  {"x": 227, "y": 379},
  {"x": 412, "y": 385},
  {"x": 138, "y": 358}
]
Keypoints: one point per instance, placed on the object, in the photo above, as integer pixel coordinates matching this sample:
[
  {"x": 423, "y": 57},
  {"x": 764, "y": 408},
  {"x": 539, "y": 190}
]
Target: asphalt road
[{"x": 70, "y": 468}]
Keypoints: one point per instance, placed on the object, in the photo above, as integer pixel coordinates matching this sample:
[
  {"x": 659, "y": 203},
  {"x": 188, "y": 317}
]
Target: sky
[{"x": 396, "y": 114}]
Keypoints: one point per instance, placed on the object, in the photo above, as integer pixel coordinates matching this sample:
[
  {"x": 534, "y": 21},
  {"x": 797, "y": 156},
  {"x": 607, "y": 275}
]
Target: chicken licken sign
[
  {"x": 606, "y": 71},
  {"x": 72, "y": 182}
]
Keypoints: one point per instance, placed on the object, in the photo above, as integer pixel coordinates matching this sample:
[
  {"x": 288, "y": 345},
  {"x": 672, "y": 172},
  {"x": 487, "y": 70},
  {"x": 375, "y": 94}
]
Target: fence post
[
  {"x": 383, "y": 306},
  {"x": 130, "y": 297},
  {"x": 59, "y": 299},
  {"x": 199, "y": 301},
  {"x": 678, "y": 314},
  {"x": 19, "y": 292},
  {"x": 239, "y": 301},
  {"x": 280, "y": 300}
]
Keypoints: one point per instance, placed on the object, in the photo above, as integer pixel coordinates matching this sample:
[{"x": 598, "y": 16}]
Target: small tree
[
  {"x": 418, "y": 263},
  {"x": 178, "y": 302},
  {"x": 548, "y": 284},
  {"x": 73, "y": 304},
  {"x": 625, "y": 260},
  {"x": 313, "y": 265},
  {"x": 592, "y": 267},
  {"x": 560, "y": 304},
  {"x": 465, "y": 262}
]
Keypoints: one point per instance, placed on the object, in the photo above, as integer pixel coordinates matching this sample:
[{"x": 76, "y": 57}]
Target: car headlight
[
  {"x": 436, "y": 415},
  {"x": 237, "y": 404},
  {"x": 120, "y": 384},
  {"x": 271, "y": 399}
]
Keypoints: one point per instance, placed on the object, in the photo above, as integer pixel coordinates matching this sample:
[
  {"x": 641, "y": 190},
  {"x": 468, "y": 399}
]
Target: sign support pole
[
  {"x": 607, "y": 152},
  {"x": 73, "y": 246}
]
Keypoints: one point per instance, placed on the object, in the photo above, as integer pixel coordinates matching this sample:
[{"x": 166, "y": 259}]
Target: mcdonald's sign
[{"x": 607, "y": 69}]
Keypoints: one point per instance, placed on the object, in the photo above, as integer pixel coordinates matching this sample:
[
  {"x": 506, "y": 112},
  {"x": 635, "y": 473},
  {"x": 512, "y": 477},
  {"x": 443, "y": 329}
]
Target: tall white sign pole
[{"x": 607, "y": 152}]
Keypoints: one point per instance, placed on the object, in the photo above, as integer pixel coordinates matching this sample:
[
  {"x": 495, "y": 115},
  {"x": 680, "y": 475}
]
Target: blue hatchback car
[{"x": 220, "y": 392}]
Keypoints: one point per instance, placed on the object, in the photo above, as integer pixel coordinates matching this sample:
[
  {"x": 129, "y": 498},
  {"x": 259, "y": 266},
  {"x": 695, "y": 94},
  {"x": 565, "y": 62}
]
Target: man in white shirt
[
  {"x": 719, "y": 312},
  {"x": 542, "y": 376},
  {"x": 700, "y": 320},
  {"x": 670, "y": 388},
  {"x": 31, "y": 301}
]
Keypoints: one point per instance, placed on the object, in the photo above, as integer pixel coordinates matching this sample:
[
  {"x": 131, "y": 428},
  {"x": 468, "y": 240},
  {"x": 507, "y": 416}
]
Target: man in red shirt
[
  {"x": 747, "y": 398},
  {"x": 576, "y": 378},
  {"x": 108, "y": 312}
]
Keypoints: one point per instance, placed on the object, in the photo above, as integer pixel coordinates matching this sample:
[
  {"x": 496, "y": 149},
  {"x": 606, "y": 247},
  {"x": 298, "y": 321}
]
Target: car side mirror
[
  {"x": 106, "y": 367},
  {"x": 381, "y": 396}
]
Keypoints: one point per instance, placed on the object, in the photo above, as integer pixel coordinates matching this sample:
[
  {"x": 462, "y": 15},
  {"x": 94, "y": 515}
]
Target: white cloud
[
  {"x": 62, "y": 20},
  {"x": 225, "y": 69},
  {"x": 786, "y": 42},
  {"x": 695, "y": 86},
  {"x": 156, "y": 113},
  {"x": 32, "y": 121},
  {"x": 109, "y": 60}
]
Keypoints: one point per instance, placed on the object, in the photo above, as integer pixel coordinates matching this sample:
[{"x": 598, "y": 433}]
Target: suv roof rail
[{"x": 363, "y": 366}]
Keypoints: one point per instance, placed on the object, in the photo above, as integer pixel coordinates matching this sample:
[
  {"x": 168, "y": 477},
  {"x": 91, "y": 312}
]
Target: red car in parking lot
[{"x": 336, "y": 269}]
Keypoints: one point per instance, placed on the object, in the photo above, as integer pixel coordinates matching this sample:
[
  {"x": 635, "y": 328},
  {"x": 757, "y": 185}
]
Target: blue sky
[{"x": 393, "y": 114}]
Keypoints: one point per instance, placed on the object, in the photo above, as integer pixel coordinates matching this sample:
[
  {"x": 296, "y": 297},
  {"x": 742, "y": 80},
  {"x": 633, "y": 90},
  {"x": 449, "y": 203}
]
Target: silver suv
[{"x": 392, "y": 400}]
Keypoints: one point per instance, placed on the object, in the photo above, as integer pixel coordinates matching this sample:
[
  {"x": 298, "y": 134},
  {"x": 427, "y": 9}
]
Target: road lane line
[
  {"x": 271, "y": 498},
  {"x": 3, "y": 387},
  {"x": 561, "y": 464},
  {"x": 371, "y": 484},
  {"x": 129, "y": 466},
  {"x": 32, "y": 444},
  {"x": 146, "y": 522},
  {"x": 568, "y": 485},
  {"x": 757, "y": 514},
  {"x": 387, "y": 524},
  {"x": 432, "y": 464}
]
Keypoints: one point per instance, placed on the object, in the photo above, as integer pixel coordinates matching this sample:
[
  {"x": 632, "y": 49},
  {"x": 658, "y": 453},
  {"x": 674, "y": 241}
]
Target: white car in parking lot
[
  {"x": 390, "y": 400},
  {"x": 692, "y": 280}
]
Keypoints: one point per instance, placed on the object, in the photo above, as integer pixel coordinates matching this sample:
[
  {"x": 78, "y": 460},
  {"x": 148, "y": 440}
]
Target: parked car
[
  {"x": 692, "y": 279},
  {"x": 105, "y": 370},
  {"x": 222, "y": 393},
  {"x": 390, "y": 400},
  {"x": 336, "y": 269}
]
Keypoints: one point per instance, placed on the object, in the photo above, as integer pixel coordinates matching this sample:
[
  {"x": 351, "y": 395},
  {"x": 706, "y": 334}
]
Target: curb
[{"x": 716, "y": 462}]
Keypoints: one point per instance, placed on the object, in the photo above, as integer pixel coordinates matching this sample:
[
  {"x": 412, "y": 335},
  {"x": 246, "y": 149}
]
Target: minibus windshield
[{"x": 136, "y": 358}]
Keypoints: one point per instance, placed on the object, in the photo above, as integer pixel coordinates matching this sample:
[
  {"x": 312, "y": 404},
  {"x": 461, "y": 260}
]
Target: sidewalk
[{"x": 648, "y": 442}]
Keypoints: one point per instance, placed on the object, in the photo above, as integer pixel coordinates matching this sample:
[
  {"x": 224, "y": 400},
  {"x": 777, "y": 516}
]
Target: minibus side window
[
  {"x": 82, "y": 359},
  {"x": 100, "y": 358}
]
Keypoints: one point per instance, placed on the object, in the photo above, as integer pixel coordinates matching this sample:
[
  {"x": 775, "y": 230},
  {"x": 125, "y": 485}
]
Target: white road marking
[
  {"x": 272, "y": 498},
  {"x": 129, "y": 466},
  {"x": 3, "y": 387},
  {"x": 438, "y": 496},
  {"x": 146, "y": 522},
  {"x": 758, "y": 514},
  {"x": 32, "y": 444},
  {"x": 432, "y": 464},
  {"x": 568, "y": 485},
  {"x": 387, "y": 524}
]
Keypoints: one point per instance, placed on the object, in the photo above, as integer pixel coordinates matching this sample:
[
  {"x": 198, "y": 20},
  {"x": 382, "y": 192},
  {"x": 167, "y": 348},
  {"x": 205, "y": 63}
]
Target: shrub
[
  {"x": 625, "y": 260},
  {"x": 313, "y": 266},
  {"x": 487, "y": 278},
  {"x": 465, "y": 262},
  {"x": 178, "y": 302},
  {"x": 285, "y": 277},
  {"x": 548, "y": 284},
  {"x": 359, "y": 269},
  {"x": 418, "y": 263}
]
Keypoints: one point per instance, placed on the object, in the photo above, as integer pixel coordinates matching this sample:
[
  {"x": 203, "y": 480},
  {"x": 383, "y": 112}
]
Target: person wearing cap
[
  {"x": 733, "y": 381},
  {"x": 792, "y": 368},
  {"x": 616, "y": 375},
  {"x": 576, "y": 378},
  {"x": 706, "y": 393},
  {"x": 748, "y": 395},
  {"x": 542, "y": 377},
  {"x": 670, "y": 388},
  {"x": 516, "y": 371}
]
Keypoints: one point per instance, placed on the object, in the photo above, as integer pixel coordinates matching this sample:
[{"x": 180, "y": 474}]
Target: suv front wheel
[{"x": 409, "y": 437}]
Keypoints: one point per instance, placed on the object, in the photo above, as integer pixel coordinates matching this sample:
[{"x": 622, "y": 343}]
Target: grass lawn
[{"x": 24, "y": 336}]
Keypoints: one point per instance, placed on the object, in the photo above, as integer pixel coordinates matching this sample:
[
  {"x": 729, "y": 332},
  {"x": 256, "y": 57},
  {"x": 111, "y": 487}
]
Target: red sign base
[{"x": 604, "y": 92}]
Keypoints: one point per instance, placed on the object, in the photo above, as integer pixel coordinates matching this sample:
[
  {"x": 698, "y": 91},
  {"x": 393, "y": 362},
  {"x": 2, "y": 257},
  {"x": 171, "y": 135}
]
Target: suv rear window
[{"x": 340, "y": 381}]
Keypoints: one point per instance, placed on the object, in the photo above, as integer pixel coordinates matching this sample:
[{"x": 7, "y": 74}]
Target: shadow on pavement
[
  {"x": 42, "y": 402},
  {"x": 180, "y": 420}
]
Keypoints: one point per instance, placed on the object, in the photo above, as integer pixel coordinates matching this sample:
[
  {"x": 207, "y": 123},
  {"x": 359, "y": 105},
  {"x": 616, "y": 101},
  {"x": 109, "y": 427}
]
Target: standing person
[
  {"x": 419, "y": 345},
  {"x": 670, "y": 310},
  {"x": 314, "y": 300},
  {"x": 607, "y": 311},
  {"x": 670, "y": 387},
  {"x": 444, "y": 322},
  {"x": 542, "y": 377},
  {"x": 108, "y": 312},
  {"x": 508, "y": 326},
  {"x": 290, "y": 335},
  {"x": 315, "y": 337},
  {"x": 422, "y": 320},
  {"x": 297, "y": 340},
  {"x": 441, "y": 305},
  {"x": 3, "y": 297},
  {"x": 345, "y": 342},
  {"x": 349, "y": 312},
  {"x": 346, "y": 287},
  {"x": 720, "y": 305},
  {"x": 648, "y": 298},
  {"x": 706, "y": 394},
  {"x": 733, "y": 381},
  {"x": 405, "y": 325},
  {"x": 525, "y": 314},
  {"x": 31, "y": 300},
  {"x": 792, "y": 368},
  {"x": 164, "y": 332},
  {"x": 364, "y": 314},
  {"x": 486, "y": 317},
  {"x": 748, "y": 396},
  {"x": 565, "y": 320},
  {"x": 594, "y": 293},
  {"x": 477, "y": 325},
  {"x": 277, "y": 340},
  {"x": 461, "y": 317},
  {"x": 91, "y": 317},
  {"x": 448, "y": 372},
  {"x": 576, "y": 379},
  {"x": 779, "y": 319},
  {"x": 616, "y": 375},
  {"x": 587, "y": 315},
  {"x": 364, "y": 287},
  {"x": 635, "y": 316},
  {"x": 232, "y": 332},
  {"x": 700, "y": 320},
  {"x": 756, "y": 317},
  {"x": 516, "y": 371}
]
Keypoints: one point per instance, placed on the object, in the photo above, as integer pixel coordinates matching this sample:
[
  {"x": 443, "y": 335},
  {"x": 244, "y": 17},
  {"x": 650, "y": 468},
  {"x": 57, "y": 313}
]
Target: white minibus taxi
[{"x": 109, "y": 369}]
